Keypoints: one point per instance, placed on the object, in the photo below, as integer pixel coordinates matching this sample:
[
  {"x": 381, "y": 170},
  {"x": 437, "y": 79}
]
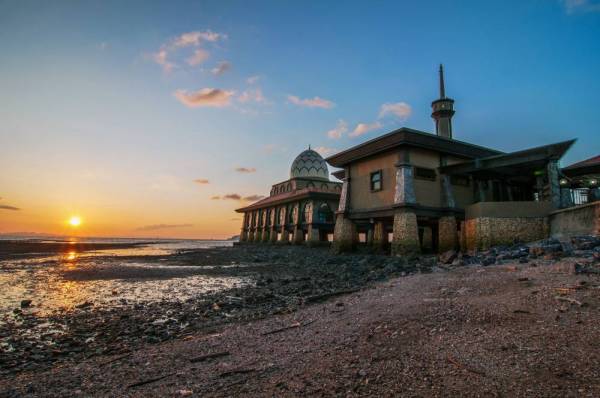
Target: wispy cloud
[
  {"x": 7, "y": 207},
  {"x": 200, "y": 55},
  {"x": 221, "y": 68},
  {"x": 190, "y": 39},
  {"x": 211, "y": 97},
  {"x": 253, "y": 79},
  {"x": 363, "y": 128},
  {"x": 340, "y": 129},
  {"x": 201, "y": 181},
  {"x": 238, "y": 197},
  {"x": 245, "y": 169},
  {"x": 325, "y": 151},
  {"x": 573, "y": 6},
  {"x": 255, "y": 95},
  {"x": 315, "y": 102},
  {"x": 161, "y": 58},
  {"x": 399, "y": 109},
  {"x": 157, "y": 227}
]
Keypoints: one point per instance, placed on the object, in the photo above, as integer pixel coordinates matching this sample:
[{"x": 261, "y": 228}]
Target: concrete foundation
[
  {"x": 484, "y": 232},
  {"x": 447, "y": 234},
  {"x": 344, "y": 236},
  {"x": 406, "y": 234}
]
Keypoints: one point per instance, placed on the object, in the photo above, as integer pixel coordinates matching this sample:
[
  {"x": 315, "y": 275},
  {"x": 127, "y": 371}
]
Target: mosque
[{"x": 410, "y": 191}]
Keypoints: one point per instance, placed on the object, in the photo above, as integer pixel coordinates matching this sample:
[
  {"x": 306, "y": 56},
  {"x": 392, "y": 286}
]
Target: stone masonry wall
[
  {"x": 578, "y": 220},
  {"x": 484, "y": 232}
]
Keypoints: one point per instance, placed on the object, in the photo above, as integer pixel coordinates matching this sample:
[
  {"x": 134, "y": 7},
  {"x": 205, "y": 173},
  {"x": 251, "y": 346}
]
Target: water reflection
[{"x": 73, "y": 278}]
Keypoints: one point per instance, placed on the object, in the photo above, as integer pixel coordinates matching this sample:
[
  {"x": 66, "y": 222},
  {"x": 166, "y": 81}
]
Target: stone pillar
[
  {"x": 566, "y": 200},
  {"x": 265, "y": 235},
  {"x": 447, "y": 192},
  {"x": 285, "y": 237},
  {"x": 447, "y": 234},
  {"x": 344, "y": 235},
  {"x": 370, "y": 236},
  {"x": 344, "y": 203},
  {"x": 553, "y": 183},
  {"x": 406, "y": 233},
  {"x": 481, "y": 190},
  {"x": 251, "y": 236},
  {"x": 406, "y": 230},
  {"x": 379, "y": 236},
  {"x": 427, "y": 239},
  {"x": 313, "y": 238},
  {"x": 298, "y": 235},
  {"x": 257, "y": 235},
  {"x": 273, "y": 235}
]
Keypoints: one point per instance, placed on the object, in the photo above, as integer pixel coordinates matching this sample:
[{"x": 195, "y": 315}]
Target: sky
[{"x": 159, "y": 119}]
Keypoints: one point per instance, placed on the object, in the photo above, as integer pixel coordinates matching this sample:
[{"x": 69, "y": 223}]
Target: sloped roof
[
  {"x": 593, "y": 161},
  {"x": 410, "y": 137}
]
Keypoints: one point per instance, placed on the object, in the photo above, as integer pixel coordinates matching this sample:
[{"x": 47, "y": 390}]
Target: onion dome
[{"x": 309, "y": 164}]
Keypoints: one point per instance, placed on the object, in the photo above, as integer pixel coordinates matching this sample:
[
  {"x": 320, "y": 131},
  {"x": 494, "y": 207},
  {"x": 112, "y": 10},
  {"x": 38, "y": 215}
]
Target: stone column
[
  {"x": 379, "y": 236},
  {"x": 344, "y": 203},
  {"x": 344, "y": 235},
  {"x": 370, "y": 235},
  {"x": 298, "y": 235},
  {"x": 566, "y": 200},
  {"x": 447, "y": 234},
  {"x": 285, "y": 236},
  {"x": 257, "y": 235},
  {"x": 406, "y": 230},
  {"x": 427, "y": 239},
  {"x": 406, "y": 233},
  {"x": 251, "y": 236},
  {"x": 553, "y": 184},
  {"x": 265, "y": 234},
  {"x": 313, "y": 238},
  {"x": 447, "y": 192}
]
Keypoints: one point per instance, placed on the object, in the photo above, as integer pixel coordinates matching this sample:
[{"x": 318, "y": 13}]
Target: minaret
[{"x": 443, "y": 110}]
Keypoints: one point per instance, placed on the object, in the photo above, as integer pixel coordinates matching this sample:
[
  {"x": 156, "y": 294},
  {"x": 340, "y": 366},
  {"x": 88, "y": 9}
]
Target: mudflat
[{"x": 515, "y": 328}]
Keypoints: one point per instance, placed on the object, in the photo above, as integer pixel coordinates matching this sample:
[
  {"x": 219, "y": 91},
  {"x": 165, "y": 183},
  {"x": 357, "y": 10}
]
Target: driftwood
[
  {"x": 236, "y": 372},
  {"x": 148, "y": 381},
  {"x": 206, "y": 357},
  {"x": 292, "y": 326},
  {"x": 325, "y": 296}
]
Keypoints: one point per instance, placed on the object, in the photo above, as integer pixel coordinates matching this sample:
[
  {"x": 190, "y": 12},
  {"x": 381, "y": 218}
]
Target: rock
[
  {"x": 25, "y": 303},
  {"x": 448, "y": 257},
  {"x": 488, "y": 261}
]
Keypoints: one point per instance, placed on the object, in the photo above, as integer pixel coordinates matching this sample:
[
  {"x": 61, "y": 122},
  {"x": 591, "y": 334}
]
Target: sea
[{"x": 104, "y": 278}]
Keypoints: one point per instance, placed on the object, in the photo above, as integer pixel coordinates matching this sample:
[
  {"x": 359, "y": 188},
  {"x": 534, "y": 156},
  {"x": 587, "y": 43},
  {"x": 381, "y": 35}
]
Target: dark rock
[
  {"x": 25, "y": 303},
  {"x": 448, "y": 257}
]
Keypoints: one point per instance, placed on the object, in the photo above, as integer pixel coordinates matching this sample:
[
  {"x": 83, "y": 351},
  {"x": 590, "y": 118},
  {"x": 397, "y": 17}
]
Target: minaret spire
[
  {"x": 443, "y": 110},
  {"x": 442, "y": 88}
]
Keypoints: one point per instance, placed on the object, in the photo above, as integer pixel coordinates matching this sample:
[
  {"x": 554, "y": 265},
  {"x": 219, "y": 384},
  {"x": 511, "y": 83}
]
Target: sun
[{"x": 75, "y": 221}]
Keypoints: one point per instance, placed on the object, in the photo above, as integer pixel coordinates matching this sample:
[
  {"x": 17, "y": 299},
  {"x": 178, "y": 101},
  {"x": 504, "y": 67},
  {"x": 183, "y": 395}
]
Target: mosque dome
[{"x": 309, "y": 164}]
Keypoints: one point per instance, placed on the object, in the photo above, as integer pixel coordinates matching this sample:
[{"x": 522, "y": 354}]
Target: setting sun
[{"x": 75, "y": 221}]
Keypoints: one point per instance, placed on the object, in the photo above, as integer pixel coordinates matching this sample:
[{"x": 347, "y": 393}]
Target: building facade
[
  {"x": 298, "y": 210},
  {"x": 410, "y": 191}
]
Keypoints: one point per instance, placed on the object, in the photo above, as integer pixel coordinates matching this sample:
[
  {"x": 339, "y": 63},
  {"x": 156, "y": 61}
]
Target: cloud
[
  {"x": 325, "y": 151},
  {"x": 245, "y": 169},
  {"x": 200, "y": 55},
  {"x": 315, "y": 102},
  {"x": 340, "y": 129},
  {"x": 211, "y": 97},
  {"x": 201, "y": 181},
  {"x": 399, "y": 109},
  {"x": 363, "y": 128},
  {"x": 573, "y": 6},
  {"x": 252, "y": 96},
  {"x": 252, "y": 79},
  {"x": 196, "y": 37},
  {"x": 238, "y": 197},
  {"x": 161, "y": 58},
  {"x": 7, "y": 207},
  {"x": 157, "y": 227},
  {"x": 221, "y": 68}
]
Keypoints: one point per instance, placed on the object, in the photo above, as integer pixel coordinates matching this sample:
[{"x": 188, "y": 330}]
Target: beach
[{"x": 301, "y": 321}]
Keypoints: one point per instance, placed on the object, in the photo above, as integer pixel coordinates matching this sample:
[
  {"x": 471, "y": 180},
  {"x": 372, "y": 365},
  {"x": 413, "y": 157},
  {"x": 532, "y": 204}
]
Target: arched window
[
  {"x": 310, "y": 185},
  {"x": 324, "y": 187},
  {"x": 289, "y": 187},
  {"x": 306, "y": 212},
  {"x": 324, "y": 213}
]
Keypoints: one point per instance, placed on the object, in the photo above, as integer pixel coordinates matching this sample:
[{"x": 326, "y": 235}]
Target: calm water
[{"x": 103, "y": 277}]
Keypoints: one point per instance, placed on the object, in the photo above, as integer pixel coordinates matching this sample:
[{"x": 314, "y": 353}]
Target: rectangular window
[
  {"x": 376, "y": 181},
  {"x": 425, "y": 173}
]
